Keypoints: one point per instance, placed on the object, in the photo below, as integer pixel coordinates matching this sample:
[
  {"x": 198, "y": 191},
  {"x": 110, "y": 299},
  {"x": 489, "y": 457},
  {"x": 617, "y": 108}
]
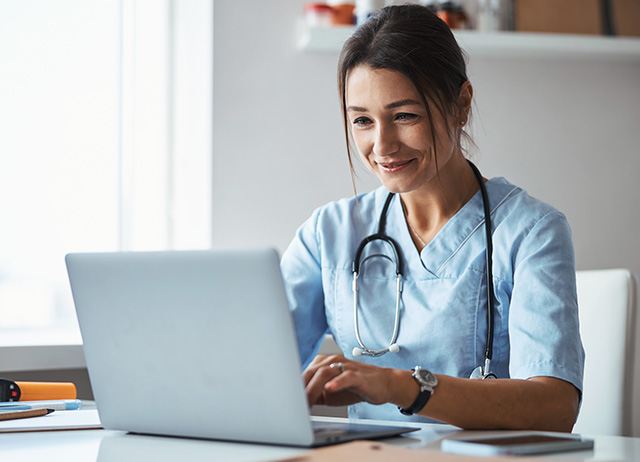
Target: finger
[
  {"x": 337, "y": 391},
  {"x": 368, "y": 385},
  {"x": 320, "y": 361},
  {"x": 313, "y": 366},
  {"x": 342, "y": 381},
  {"x": 315, "y": 388}
]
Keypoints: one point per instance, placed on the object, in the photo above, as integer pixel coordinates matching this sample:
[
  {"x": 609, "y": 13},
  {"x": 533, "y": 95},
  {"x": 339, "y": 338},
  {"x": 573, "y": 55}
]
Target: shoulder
[
  {"x": 354, "y": 214},
  {"x": 527, "y": 229},
  {"x": 333, "y": 231},
  {"x": 516, "y": 211}
]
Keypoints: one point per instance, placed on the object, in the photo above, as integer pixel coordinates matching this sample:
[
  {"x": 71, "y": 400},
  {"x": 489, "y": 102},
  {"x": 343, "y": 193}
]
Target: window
[{"x": 105, "y": 144}]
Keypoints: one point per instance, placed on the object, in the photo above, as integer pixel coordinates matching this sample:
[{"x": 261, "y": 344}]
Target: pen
[
  {"x": 24, "y": 414},
  {"x": 56, "y": 405}
]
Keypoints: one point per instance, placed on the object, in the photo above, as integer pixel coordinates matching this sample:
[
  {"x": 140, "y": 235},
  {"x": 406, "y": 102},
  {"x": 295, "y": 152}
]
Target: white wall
[
  {"x": 567, "y": 131},
  {"x": 278, "y": 143}
]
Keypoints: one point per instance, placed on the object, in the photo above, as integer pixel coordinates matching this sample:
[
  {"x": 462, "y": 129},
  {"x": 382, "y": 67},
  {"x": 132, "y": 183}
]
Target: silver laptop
[{"x": 197, "y": 344}]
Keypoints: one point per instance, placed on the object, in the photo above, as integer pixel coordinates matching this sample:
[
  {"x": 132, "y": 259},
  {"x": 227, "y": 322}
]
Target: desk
[{"x": 116, "y": 446}]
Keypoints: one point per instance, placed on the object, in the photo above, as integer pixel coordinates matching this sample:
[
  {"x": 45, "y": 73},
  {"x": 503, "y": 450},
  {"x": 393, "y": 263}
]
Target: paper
[
  {"x": 370, "y": 451},
  {"x": 59, "y": 420}
]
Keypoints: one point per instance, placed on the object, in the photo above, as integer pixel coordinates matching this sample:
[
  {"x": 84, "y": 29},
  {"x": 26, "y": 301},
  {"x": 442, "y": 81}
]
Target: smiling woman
[{"x": 504, "y": 299}]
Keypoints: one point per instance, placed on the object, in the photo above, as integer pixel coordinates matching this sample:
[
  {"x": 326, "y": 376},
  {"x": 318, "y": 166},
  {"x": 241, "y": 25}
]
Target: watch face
[{"x": 425, "y": 377}]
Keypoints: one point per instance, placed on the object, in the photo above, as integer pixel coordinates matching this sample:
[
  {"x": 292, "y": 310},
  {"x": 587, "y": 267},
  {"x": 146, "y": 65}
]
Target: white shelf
[
  {"x": 504, "y": 44},
  {"x": 550, "y": 46},
  {"x": 41, "y": 357},
  {"x": 41, "y": 349}
]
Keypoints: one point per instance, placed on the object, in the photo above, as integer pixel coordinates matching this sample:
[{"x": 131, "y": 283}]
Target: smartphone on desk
[{"x": 520, "y": 444}]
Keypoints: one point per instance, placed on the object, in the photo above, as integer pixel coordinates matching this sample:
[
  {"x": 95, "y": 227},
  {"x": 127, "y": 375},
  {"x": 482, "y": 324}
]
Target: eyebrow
[{"x": 396, "y": 104}]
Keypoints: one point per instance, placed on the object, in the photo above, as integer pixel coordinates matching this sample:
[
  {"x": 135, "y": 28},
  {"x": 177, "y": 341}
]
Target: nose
[{"x": 386, "y": 141}]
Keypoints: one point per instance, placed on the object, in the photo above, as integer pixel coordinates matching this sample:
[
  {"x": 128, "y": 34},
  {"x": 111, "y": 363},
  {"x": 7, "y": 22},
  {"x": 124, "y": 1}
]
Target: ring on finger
[{"x": 340, "y": 366}]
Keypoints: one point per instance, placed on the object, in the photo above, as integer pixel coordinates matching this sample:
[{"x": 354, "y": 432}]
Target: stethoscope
[{"x": 479, "y": 372}]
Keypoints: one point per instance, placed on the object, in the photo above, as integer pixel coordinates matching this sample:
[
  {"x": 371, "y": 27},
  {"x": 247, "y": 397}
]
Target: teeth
[{"x": 393, "y": 165}]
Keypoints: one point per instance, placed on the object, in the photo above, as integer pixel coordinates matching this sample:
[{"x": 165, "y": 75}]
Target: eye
[
  {"x": 362, "y": 122},
  {"x": 405, "y": 116}
]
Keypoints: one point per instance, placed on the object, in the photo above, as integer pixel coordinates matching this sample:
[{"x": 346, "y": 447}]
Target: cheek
[
  {"x": 444, "y": 140},
  {"x": 362, "y": 143},
  {"x": 419, "y": 138}
]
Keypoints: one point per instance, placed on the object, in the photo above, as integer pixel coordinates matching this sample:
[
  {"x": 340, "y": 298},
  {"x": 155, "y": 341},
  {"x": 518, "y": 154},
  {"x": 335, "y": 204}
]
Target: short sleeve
[
  {"x": 302, "y": 273},
  {"x": 543, "y": 320}
]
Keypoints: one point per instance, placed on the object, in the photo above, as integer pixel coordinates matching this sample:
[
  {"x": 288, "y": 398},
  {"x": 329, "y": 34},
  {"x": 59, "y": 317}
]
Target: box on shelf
[
  {"x": 626, "y": 17},
  {"x": 610, "y": 17},
  {"x": 559, "y": 16}
]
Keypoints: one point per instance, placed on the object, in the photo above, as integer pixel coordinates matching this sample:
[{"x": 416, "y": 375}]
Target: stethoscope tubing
[
  {"x": 488, "y": 354},
  {"x": 380, "y": 235}
]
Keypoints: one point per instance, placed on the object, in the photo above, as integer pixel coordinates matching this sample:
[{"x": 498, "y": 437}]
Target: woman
[{"x": 406, "y": 100}]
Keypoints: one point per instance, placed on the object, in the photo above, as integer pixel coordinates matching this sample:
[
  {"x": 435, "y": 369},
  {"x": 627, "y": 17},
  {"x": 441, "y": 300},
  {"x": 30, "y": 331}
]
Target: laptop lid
[{"x": 192, "y": 343}]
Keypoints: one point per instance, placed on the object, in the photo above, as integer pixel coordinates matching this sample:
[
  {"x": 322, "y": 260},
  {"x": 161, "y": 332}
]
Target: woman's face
[{"x": 391, "y": 129}]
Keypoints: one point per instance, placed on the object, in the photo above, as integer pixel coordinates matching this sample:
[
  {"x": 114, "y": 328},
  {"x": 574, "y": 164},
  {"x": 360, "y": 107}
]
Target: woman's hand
[{"x": 355, "y": 382}]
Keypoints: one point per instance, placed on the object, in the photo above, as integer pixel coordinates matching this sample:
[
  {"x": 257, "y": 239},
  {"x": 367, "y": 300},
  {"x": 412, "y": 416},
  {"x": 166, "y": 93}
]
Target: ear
[{"x": 464, "y": 101}]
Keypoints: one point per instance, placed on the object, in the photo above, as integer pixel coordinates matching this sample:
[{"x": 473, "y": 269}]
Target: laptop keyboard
[{"x": 324, "y": 429}]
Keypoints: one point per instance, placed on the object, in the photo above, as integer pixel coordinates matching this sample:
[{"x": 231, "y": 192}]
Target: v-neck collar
[{"x": 453, "y": 234}]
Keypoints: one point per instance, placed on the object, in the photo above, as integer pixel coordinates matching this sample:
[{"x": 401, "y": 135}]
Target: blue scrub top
[{"x": 443, "y": 309}]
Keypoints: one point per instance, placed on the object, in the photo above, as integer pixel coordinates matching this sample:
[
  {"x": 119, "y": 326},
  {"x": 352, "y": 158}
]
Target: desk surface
[{"x": 111, "y": 446}]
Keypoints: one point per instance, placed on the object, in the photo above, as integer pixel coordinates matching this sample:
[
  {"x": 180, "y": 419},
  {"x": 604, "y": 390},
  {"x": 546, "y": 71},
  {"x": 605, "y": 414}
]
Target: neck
[{"x": 428, "y": 210}]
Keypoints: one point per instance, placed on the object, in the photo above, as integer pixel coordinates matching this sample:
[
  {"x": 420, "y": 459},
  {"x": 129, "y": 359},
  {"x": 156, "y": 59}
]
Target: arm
[
  {"x": 302, "y": 274},
  {"x": 539, "y": 403}
]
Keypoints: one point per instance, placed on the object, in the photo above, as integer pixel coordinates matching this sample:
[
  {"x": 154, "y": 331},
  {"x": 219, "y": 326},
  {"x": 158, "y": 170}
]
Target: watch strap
[
  {"x": 418, "y": 404},
  {"x": 421, "y": 400}
]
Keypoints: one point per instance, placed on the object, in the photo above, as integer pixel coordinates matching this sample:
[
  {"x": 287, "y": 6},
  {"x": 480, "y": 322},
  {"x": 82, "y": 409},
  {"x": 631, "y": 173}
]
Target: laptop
[{"x": 197, "y": 344}]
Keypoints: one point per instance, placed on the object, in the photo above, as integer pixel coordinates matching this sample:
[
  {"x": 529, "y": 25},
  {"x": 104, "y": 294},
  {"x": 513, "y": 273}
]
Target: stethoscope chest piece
[{"x": 479, "y": 372}]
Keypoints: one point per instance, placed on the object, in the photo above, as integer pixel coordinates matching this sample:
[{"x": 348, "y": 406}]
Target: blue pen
[
  {"x": 58, "y": 405},
  {"x": 14, "y": 407}
]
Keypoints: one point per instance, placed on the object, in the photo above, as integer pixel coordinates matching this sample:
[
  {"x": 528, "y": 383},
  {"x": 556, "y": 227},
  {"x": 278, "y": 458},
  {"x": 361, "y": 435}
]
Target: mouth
[{"x": 394, "y": 166}]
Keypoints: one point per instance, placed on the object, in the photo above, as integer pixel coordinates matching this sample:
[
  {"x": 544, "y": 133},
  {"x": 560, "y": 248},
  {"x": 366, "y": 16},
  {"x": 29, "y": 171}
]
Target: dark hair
[{"x": 412, "y": 40}]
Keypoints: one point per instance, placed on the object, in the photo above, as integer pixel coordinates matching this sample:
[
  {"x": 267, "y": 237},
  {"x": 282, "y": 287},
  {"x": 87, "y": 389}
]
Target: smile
[{"x": 394, "y": 166}]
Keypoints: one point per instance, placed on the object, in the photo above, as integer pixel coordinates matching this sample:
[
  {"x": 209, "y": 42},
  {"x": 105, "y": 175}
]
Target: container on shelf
[
  {"x": 343, "y": 14},
  {"x": 452, "y": 13},
  {"x": 318, "y": 15}
]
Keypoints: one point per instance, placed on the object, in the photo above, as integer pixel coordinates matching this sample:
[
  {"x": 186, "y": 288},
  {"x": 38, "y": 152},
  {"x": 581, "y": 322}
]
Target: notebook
[{"x": 197, "y": 344}]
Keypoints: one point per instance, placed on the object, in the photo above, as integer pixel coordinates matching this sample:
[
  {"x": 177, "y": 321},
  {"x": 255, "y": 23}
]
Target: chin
[
  {"x": 396, "y": 188},
  {"x": 396, "y": 183},
  {"x": 400, "y": 183}
]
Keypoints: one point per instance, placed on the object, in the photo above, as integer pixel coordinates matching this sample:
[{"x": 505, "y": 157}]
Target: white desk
[{"x": 115, "y": 446}]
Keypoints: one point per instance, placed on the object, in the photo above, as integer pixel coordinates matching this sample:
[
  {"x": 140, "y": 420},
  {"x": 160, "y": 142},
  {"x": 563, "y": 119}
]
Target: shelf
[
  {"x": 41, "y": 349},
  {"x": 504, "y": 44},
  {"x": 41, "y": 357}
]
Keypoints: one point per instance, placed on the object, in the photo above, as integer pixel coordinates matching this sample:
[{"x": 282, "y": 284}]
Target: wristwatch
[{"x": 427, "y": 382}]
